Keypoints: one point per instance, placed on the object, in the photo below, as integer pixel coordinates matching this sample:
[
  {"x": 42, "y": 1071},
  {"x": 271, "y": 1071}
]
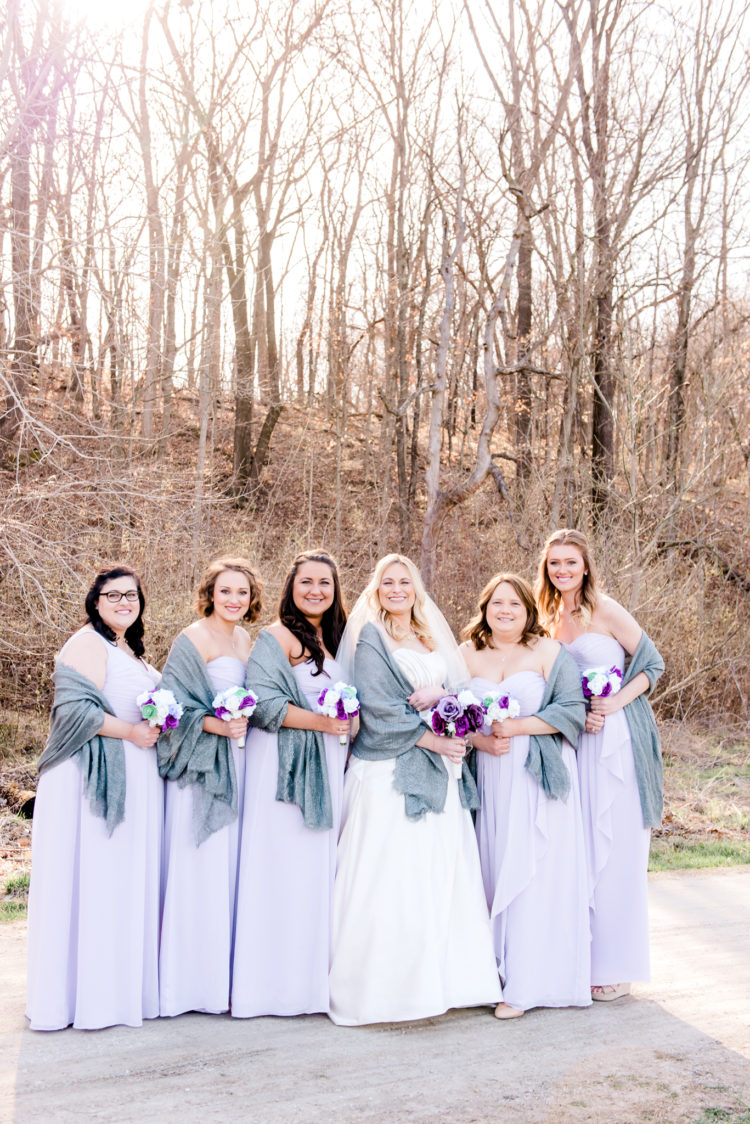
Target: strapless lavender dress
[
  {"x": 200, "y": 889},
  {"x": 617, "y": 843},
  {"x": 93, "y": 944},
  {"x": 285, "y": 886},
  {"x": 533, "y": 862}
]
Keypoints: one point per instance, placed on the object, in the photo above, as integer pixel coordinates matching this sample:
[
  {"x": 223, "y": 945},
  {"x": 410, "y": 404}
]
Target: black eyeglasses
[{"x": 114, "y": 595}]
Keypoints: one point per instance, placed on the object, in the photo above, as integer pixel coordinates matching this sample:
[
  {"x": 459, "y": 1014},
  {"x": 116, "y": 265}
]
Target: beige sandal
[{"x": 607, "y": 992}]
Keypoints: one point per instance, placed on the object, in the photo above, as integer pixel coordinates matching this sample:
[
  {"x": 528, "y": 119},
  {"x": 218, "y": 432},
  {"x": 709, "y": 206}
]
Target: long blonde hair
[
  {"x": 547, "y": 597},
  {"x": 382, "y": 616}
]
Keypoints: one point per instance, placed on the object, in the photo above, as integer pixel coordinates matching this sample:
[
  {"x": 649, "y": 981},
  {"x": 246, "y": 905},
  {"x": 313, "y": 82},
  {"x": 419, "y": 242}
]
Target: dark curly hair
[
  {"x": 334, "y": 618},
  {"x": 134, "y": 634},
  {"x": 478, "y": 630},
  {"x": 204, "y": 596}
]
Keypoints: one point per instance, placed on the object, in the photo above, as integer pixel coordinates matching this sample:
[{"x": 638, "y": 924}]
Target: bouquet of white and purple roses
[
  {"x": 160, "y": 708},
  {"x": 455, "y": 716},
  {"x": 234, "y": 702},
  {"x": 497, "y": 707},
  {"x": 339, "y": 701},
  {"x": 599, "y": 682}
]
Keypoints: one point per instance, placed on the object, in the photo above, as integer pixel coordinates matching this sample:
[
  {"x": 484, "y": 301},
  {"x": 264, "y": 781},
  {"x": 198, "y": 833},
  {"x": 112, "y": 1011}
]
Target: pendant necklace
[{"x": 224, "y": 636}]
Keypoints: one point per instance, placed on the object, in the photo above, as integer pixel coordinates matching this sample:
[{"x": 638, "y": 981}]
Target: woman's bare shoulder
[
  {"x": 285, "y": 638},
  {"x": 86, "y": 652}
]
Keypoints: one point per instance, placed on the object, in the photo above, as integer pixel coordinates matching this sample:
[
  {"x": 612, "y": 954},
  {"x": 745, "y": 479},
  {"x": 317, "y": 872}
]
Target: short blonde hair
[
  {"x": 204, "y": 596},
  {"x": 382, "y": 616},
  {"x": 547, "y": 597}
]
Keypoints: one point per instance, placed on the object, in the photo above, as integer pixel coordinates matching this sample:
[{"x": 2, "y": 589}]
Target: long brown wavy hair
[
  {"x": 548, "y": 598},
  {"x": 333, "y": 620},
  {"x": 478, "y": 630}
]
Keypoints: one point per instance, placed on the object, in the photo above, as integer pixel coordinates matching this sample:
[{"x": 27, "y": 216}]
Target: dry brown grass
[
  {"x": 707, "y": 781},
  {"x": 64, "y": 515}
]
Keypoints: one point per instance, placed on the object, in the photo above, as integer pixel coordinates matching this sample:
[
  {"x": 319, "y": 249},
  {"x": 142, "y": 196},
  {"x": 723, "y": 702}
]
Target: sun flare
[{"x": 105, "y": 13}]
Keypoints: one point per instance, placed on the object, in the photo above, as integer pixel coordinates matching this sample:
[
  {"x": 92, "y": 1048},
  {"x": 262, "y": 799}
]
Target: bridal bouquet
[
  {"x": 599, "y": 682},
  {"x": 498, "y": 707},
  {"x": 339, "y": 701},
  {"x": 160, "y": 708},
  {"x": 455, "y": 716},
  {"x": 234, "y": 702}
]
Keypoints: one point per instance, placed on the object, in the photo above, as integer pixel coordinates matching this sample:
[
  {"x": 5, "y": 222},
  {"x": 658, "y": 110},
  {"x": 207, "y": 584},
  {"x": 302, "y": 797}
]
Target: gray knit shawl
[
  {"x": 78, "y": 711},
  {"x": 390, "y": 727},
  {"x": 303, "y": 771},
  {"x": 562, "y": 707},
  {"x": 189, "y": 754},
  {"x": 643, "y": 732}
]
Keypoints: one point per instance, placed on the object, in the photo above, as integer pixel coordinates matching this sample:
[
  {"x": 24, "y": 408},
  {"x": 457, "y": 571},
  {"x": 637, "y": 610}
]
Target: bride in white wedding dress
[{"x": 411, "y": 934}]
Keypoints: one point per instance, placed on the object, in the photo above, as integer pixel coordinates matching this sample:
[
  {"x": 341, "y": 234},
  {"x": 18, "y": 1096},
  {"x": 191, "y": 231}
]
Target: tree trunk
[
  {"x": 156, "y": 252},
  {"x": 523, "y": 404}
]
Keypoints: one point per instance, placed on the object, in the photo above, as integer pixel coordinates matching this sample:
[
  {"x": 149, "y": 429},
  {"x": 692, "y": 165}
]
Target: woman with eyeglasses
[{"x": 96, "y": 850}]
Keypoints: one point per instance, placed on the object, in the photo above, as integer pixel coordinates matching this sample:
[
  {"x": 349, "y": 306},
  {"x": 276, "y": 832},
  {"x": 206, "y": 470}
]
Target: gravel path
[{"x": 677, "y": 1050}]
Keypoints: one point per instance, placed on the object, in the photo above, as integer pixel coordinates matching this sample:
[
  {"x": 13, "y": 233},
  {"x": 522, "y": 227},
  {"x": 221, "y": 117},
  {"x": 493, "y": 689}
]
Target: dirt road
[{"x": 677, "y": 1050}]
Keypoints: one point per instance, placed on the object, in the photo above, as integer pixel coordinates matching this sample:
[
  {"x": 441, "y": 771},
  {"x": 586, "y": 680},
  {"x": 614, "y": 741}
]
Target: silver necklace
[{"x": 224, "y": 636}]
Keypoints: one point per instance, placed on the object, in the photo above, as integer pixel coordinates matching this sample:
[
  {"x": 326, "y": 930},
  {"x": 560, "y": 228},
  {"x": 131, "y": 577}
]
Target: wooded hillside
[{"x": 379, "y": 277}]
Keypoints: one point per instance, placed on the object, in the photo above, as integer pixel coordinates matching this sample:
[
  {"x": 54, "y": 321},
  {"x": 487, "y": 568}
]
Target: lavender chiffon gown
[
  {"x": 285, "y": 885},
  {"x": 200, "y": 889},
  {"x": 533, "y": 861},
  {"x": 617, "y": 843},
  {"x": 93, "y": 938}
]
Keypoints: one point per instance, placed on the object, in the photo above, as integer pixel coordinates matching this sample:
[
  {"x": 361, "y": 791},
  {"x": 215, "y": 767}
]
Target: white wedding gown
[{"x": 411, "y": 932}]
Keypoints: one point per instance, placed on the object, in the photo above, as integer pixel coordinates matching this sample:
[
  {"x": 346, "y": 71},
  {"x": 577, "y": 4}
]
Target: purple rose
[
  {"x": 170, "y": 722},
  {"x": 586, "y": 689},
  {"x": 462, "y": 726},
  {"x": 249, "y": 700},
  {"x": 607, "y": 689},
  {"x": 475, "y": 716},
  {"x": 340, "y": 712},
  {"x": 448, "y": 708},
  {"x": 438, "y": 725},
  {"x": 322, "y": 698},
  {"x": 223, "y": 713}
]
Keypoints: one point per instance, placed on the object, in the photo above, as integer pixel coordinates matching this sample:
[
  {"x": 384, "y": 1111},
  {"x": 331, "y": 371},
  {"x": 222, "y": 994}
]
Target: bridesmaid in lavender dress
[
  {"x": 529, "y": 827},
  {"x": 287, "y": 867},
  {"x": 94, "y": 900},
  {"x": 200, "y": 879},
  {"x": 619, "y": 760}
]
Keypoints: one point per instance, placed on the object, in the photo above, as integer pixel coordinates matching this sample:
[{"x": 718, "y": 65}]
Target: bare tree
[
  {"x": 35, "y": 69},
  {"x": 713, "y": 78}
]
